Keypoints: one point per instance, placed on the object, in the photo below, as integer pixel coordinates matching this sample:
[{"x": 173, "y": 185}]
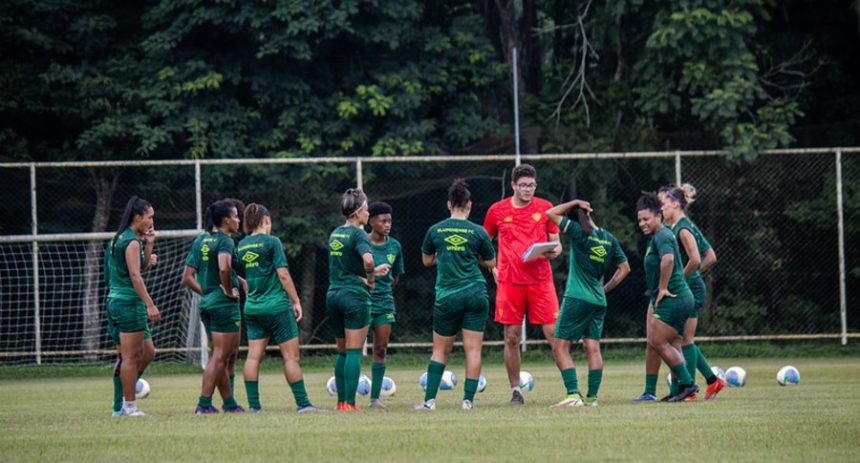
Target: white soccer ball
[
  {"x": 719, "y": 372},
  {"x": 388, "y": 387},
  {"x": 527, "y": 381},
  {"x": 482, "y": 383},
  {"x": 422, "y": 381},
  {"x": 141, "y": 389},
  {"x": 364, "y": 385},
  {"x": 669, "y": 380},
  {"x": 331, "y": 386},
  {"x": 736, "y": 377},
  {"x": 788, "y": 376},
  {"x": 449, "y": 381}
]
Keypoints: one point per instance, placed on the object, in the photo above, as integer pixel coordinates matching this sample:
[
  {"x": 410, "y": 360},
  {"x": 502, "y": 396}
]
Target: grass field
[{"x": 69, "y": 419}]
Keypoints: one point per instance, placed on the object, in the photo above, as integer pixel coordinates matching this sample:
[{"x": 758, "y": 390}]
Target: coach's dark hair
[
  {"x": 378, "y": 208},
  {"x": 254, "y": 214},
  {"x": 683, "y": 195},
  {"x": 134, "y": 207},
  {"x": 580, "y": 215},
  {"x": 523, "y": 170},
  {"x": 216, "y": 213},
  {"x": 650, "y": 202},
  {"x": 459, "y": 194},
  {"x": 352, "y": 201}
]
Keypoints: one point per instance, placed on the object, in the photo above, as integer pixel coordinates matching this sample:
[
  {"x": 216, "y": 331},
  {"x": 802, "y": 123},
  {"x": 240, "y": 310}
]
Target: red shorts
[{"x": 539, "y": 300}]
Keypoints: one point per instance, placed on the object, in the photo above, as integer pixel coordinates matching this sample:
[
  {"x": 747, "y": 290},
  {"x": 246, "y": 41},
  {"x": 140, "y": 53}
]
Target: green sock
[
  {"x": 471, "y": 387},
  {"x": 204, "y": 402},
  {"x": 691, "y": 358},
  {"x": 117, "y": 393},
  {"x": 595, "y": 377},
  {"x": 703, "y": 366},
  {"x": 300, "y": 393},
  {"x": 377, "y": 373},
  {"x": 673, "y": 386},
  {"x": 351, "y": 372},
  {"x": 339, "y": 363},
  {"x": 571, "y": 383},
  {"x": 682, "y": 374},
  {"x": 651, "y": 384},
  {"x": 230, "y": 403},
  {"x": 232, "y": 382},
  {"x": 252, "y": 388},
  {"x": 139, "y": 374},
  {"x": 435, "y": 370}
]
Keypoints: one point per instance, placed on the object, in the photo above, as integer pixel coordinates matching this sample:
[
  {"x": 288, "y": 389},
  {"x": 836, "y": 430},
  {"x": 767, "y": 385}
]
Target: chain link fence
[{"x": 773, "y": 224}]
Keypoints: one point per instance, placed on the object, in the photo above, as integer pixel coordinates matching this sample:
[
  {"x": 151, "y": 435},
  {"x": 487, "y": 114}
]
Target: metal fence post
[
  {"x": 843, "y": 303},
  {"x": 34, "y": 218},
  {"x": 359, "y": 178},
  {"x": 678, "y": 168},
  {"x": 198, "y": 195}
]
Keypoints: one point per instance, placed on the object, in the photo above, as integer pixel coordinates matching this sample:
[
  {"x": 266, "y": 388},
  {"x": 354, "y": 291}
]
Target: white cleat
[
  {"x": 467, "y": 405},
  {"x": 572, "y": 400},
  {"x": 428, "y": 405},
  {"x": 134, "y": 412}
]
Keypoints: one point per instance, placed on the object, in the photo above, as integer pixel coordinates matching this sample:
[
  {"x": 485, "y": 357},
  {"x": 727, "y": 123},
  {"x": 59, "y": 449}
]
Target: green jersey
[
  {"x": 203, "y": 257},
  {"x": 663, "y": 242},
  {"x": 458, "y": 244},
  {"x": 701, "y": 243},
  {"x": 391, "y": 253},
  {"x": 260, "y": 257},
  {"x": 347, "y": 246},
  {"x": 591, "y": 256},
  {"x": 119, "y": 279}
]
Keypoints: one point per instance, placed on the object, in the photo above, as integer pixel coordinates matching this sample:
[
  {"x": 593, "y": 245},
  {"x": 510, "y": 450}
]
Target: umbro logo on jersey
[
  {"x": 336, "y": 245},
  {"x": 250, "y": 257},
  {"x": 456, "y": 240},
  {"x": 391, "y": 258},
  {"x": 599, "y": 251}
]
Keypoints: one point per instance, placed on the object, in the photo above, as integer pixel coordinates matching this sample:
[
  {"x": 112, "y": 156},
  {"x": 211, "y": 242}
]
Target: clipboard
[{"x": 538, "y": 249}]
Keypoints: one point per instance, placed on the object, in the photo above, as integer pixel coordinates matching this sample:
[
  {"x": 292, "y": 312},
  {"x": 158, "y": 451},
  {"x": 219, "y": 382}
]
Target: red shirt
[{"x": 517, "y": 228}]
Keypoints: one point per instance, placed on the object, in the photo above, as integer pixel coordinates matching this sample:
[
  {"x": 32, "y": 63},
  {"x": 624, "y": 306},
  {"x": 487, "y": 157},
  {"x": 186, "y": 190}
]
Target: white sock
[
  {"x": 516, "y": 389},
  {"x": 129, "y": 405}
]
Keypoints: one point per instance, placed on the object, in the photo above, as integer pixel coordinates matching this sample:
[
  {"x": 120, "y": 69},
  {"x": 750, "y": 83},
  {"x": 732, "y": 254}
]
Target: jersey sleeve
[
  {"x": 398, "y": 267},
  {"x": 703, "y": 242},
  {"x": 570, "y": 228},
  {"x": 193, "y": 258},
  {"x": 490, "y": 221},
  {"x": 618, "y": 256},
  {"x": 362, "y": 242},
  {"x": 486, "y": 250},
  {"x": 225, "y": 245},
  {"x": 663, "y": 243},
  {"x": 427, "y": 246},
  {"x": 279, "y": 258}
]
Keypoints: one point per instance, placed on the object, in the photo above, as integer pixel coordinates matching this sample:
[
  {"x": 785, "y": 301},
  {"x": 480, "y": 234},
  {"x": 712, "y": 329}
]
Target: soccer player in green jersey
[
  {"x": 351, "y": 279},
  {"x": 129, "y": 304},
  {"x": 212, "y": 256},
  {"x": 457, "y": 247},
  {"x": 671, "y": 301},
  {"x": 593, "y": 251},
  {"x": 272, "y": 307},
  {"x": 696, "y": 252},
  {"x": 388, "y": 259}
]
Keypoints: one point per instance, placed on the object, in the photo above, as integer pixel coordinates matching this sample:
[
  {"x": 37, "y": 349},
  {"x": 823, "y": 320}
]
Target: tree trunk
[
  {"x": 508, "y": 34},
  {"x": 105, "y": 185},
  {"x": 308, "y": 290},
  {"x": 531, "y": 42}
]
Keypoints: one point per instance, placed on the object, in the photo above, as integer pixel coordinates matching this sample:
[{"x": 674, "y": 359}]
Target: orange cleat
[
  {"x": 353, "y": 408},
  {"x": 714, "y": 388},
  {"x": 341, "y": 406},
  {"x": 691, "y": 398}
]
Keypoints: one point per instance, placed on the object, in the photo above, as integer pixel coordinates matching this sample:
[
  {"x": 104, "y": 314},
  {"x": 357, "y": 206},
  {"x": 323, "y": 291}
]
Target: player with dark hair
[
  {"x": 351, "y": 280},
  {"x": 524, "y": 287},
  {"x": 593, "y": 252},
  {"x": 671, "y": 301},
  {"x": 272, "y": 308},
  {"x": 129, "y": 304},
  {"x": 696, "y": 254},
  {"x": 457, "y": 247},
  {"x": 388, "y": 259}
]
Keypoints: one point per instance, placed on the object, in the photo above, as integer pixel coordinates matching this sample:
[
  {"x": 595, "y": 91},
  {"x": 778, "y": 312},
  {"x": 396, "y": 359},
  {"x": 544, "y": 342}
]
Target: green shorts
[
  {"x": 347, "y": 310},
  {"x": 126, "y": 316},
  {"x": 279, "y": 326},
  {"x": 579, "y": 320},
  {"x": 222, "y": 318},
  {"x": 379, "y": 319},
  {"x": 674, "y": 311},
  {"x": 467, "y": 309},
  {"x": 699, "y": 290},
  {"x": 113, "y": 330}
]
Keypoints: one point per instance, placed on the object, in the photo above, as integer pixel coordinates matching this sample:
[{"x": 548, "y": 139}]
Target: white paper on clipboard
[{"x": 538, "y": 250}]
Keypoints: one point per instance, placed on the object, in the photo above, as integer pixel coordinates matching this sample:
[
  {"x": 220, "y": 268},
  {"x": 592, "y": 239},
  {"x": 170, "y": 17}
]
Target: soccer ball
[
  {"x": 449, "y": 380},
  {"x": 422, "y": 381},
  {"x": 788, "y": 376},
  {"x": 331, "y": 386},
  {"x": 736, "y": 377},
  {"x": 364, "y": 385},
  {"x": 482, "y": 383},
  {"x": 527, "y": 381},
  {"x": 388, "y": 387},
  {"x": 719, "y": 373},
  {"x": 141, "y": 389},
  {"x": 669, "y": 380}
]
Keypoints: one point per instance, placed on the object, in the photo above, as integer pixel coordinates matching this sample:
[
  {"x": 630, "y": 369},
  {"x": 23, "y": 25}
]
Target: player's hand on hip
[
  {"x": 660, "y": 295},
  {"x": 382, "y": 270}
]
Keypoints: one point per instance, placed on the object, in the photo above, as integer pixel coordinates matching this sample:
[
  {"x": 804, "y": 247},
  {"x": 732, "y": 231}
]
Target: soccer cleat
[
  {"x": 591, "y": 401},
  {"x": 117, "y": 413},
  {"x": 310, "y": 408},
  {"x": 714, "y": 388},
  {"x": 517, "y": 398},
  {"x": 255, "y": 410},
  {"x": 467, "y": 405},
  {"x": 134, "y": 412},
  {"x": 684, "y": 391},
  {"x": 341, "y": 406},
  {"x": 572, "y": 400},
  {"x": 237, "y": 409},
  {"x": 210, "y": 410},
  {"x": 691, "y": 398},
  {"x": 645, "y": 398},
  {"x": 377, "y": 404},
  {"x": 427, "y": 405}
]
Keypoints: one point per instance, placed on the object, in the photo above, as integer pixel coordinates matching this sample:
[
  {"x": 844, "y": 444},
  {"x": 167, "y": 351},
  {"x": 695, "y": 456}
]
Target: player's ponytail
[
  {"x": 353, "y": 200},
  {"x": 679, "y": 195},
  {"x": 459, "y": 194},
  {"x": 134, "y": 207},
  {"x": 689, "y": 192},
  {"x": 254, "y": 214}
]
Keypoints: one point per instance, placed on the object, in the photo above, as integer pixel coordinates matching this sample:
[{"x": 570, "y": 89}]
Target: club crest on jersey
[
  {"x": 508, "y": 219},
  {"x": 537, "y": 216},
  {"x": 391, "y": 258}
]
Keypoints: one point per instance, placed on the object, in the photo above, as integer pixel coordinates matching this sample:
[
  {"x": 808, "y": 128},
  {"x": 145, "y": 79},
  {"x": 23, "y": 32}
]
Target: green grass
[{"x": 69, "y": 419}]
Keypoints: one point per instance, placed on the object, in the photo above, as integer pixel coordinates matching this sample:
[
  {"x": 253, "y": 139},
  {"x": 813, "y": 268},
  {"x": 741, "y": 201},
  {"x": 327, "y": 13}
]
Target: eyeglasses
[{"x": 527, "y": 186}]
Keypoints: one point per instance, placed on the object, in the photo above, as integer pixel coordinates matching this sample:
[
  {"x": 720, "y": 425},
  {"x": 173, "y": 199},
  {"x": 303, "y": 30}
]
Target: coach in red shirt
[{"x": 523, "y": 287}]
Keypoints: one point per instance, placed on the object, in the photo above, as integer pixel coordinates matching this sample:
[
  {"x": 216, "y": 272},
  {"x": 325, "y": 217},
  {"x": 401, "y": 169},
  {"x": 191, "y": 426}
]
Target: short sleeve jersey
[
  {"x": 661, "y": 243},
  {"x": 591, "y": 256},
  {"x": 391, "y": 253},
  {"x": 517, "y": 228},
  {"x": 458, "y": 244},
  {"x": 260, "y": 256},
  {"x": 701, "y": 243},
  {"x": 346, "y": 246},
  {"x": 119, "y": 278},
  {"x": 204, "y": 257}
]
